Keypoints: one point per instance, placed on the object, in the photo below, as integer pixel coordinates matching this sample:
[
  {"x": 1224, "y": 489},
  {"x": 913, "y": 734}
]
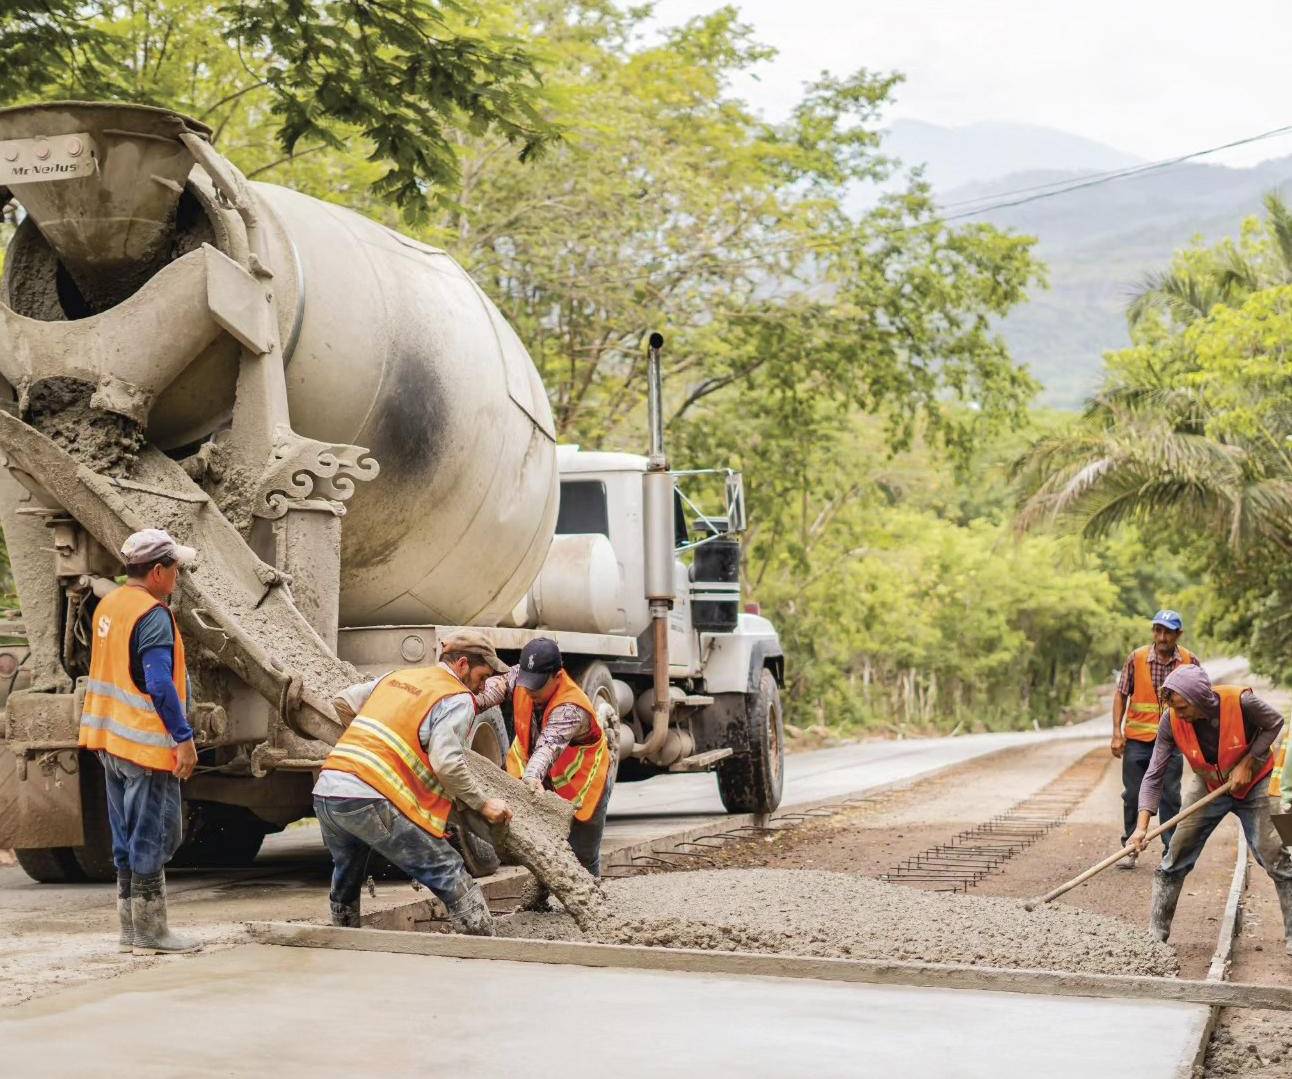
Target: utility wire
[{"x": 1006, "y": 199}]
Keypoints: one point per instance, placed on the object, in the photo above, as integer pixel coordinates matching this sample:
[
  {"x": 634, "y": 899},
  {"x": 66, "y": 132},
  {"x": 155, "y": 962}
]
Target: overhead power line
[{"x": 1037, "y": 192}]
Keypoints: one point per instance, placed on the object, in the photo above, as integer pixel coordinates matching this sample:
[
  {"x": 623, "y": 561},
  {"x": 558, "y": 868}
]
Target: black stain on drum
[{"x": 411, "y": 424}]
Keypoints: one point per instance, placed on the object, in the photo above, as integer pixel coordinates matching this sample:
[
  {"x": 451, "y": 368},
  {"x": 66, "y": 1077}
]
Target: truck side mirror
[{"x": 735, "y": 502}]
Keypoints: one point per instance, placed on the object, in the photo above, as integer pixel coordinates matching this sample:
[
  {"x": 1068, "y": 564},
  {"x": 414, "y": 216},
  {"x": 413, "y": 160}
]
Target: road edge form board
[
  {"x": 1050, "y": 983},
  {"x": 1195, "y": 1061}
]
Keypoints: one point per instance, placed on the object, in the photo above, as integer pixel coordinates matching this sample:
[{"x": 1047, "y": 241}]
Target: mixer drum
[{"x": 388, "y": 345}]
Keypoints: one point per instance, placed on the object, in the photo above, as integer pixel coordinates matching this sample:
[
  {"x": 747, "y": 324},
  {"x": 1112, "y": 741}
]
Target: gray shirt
[
  {"x": 1261, "y": 723},
  {"x": 443, "y": 733}
]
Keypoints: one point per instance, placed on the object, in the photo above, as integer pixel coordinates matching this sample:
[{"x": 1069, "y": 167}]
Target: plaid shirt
[
  {"x": 566, "y": 723},
  {"x": 1158, "y": 669}
]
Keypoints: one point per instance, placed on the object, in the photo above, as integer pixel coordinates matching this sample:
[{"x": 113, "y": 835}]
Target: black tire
[
  {"x": 487, "y": 735},
  {"x": 95, "y": 855},
  {"x": 50, "y": 865},
  {"x": 219, "y": 836},
  {"x": 751, "y": 780}
]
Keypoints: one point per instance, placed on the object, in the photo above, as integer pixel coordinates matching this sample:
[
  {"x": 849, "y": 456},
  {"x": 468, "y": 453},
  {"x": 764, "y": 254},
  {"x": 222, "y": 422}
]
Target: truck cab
[{"x": 725, "y": 664}]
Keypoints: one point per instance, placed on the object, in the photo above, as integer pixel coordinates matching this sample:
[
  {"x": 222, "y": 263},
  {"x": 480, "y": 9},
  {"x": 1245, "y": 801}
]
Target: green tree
[
  {"x": 401, "y": 75},
  {"x": 1189, "y": 439}
]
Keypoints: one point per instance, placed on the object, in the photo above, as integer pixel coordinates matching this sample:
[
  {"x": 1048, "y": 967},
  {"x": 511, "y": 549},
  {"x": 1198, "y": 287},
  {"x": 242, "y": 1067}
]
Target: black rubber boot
[
  {"x": 1284, "y": 888},
  {"x": 126, "y": 941},
  {"x": 346, "y": 915},
  {"x": 148, "y": 910},
  {"x": 1166, "y": 894},
  {"x": 470, "y": 914}
]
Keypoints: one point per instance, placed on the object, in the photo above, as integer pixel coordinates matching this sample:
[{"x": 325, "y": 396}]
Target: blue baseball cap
[{"x": 1169, "y": 620}]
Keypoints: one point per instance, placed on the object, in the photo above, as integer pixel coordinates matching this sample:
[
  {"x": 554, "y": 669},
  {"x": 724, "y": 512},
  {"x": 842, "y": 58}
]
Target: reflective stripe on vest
[
  {"x": 579, "y": 772},
  {"x": 116, "y": 716},
  {"x": 382, "y": 746},
  {"x": 1144, "y": 712},
  {"x": 1233, "y": 743},
  {"x": 1280, "y": 759}
]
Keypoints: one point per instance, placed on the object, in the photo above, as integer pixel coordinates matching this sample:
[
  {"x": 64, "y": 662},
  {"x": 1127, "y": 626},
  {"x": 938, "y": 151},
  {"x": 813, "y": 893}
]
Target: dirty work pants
[
  {"x": 144, "y": 815},
  {"x": 1253, "y": 813},
  {"x": 1135, "y": 758},
  {"x": 353, "y": 827},
  {"x": 585, "y": 836}
]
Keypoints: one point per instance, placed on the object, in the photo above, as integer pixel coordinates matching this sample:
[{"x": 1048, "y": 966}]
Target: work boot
[
  {"x": 1166, "y": 894},
  {"x": 346, "y": 915},
  {"x": 126, "y": 941},
  {"x": 148, "y": 910},
  {"x": 470, "y": 914},
  {"x": 1129, "y": 861},
  {"x": 1284, "y": 888}
]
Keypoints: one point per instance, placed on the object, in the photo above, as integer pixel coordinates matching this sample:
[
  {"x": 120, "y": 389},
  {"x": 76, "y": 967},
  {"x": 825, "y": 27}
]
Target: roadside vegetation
[{"x": 601, "y": 182}]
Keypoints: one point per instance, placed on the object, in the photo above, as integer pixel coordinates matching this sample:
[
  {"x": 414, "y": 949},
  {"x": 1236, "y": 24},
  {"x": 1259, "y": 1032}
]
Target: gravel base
[
  {"x": 1251, "y": 1044},
  {"x": 841, "y": 915}
]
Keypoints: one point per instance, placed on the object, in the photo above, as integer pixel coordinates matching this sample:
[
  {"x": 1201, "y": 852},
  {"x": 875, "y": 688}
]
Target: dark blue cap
[
  {"x": 539, "y": 660},
  {"x": 1169, "y": 620}
]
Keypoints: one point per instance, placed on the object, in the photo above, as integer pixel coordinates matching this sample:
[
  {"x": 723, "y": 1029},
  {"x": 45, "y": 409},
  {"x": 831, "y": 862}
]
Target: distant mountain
[
  {"x": 1098, "y": 243},
  {"x": 953, "y": 156}
]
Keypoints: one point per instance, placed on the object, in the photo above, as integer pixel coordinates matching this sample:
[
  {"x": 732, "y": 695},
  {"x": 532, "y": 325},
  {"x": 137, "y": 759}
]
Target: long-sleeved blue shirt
[{"x": 152, "y": 665}]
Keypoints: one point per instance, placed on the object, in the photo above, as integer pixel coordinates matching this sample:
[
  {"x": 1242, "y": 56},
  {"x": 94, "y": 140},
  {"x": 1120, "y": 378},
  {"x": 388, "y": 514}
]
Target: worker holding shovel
[{"x": 1226, "y": 734}]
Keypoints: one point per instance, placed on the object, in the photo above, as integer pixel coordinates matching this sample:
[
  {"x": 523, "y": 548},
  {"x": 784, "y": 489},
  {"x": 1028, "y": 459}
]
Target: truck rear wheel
[
  {"x": 50, "y": 865},
  {"x": 95, "y": 855},
  {"x": 751, "y": 780},
  {"x": 597, "y": 682},
  {"x": 487, "y": 735},
  {"x": 219, "y": 836}
]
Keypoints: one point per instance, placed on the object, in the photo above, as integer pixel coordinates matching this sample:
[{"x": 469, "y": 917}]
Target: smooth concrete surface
[{"x": 260, "y": 1009}]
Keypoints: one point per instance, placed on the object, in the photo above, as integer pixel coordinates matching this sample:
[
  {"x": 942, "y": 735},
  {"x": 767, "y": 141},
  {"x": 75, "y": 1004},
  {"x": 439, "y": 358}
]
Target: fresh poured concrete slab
[{"x": 314, "y": 1012}]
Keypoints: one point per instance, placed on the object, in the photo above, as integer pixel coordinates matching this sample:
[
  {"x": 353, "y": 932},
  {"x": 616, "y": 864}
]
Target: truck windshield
[{"x": 583, "y": 508}]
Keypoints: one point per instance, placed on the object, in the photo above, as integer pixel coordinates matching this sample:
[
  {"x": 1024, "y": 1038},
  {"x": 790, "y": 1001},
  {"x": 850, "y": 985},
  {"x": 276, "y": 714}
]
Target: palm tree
[{"x": 1143, "y": 451}]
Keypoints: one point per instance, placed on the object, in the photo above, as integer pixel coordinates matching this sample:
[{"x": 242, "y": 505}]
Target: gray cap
[
  {"x": 153, "y": 545},
  {"x": 472, "y": 642}
]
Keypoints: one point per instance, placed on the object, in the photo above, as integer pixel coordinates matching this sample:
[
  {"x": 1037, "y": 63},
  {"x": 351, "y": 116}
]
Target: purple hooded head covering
[{"x": 1191, "y": 682}]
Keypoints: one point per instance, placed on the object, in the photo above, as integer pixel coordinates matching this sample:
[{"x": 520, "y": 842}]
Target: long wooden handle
[{"x": 1113, "y": 859}]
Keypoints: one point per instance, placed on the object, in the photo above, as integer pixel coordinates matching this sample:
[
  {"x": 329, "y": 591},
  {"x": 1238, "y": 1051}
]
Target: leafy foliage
[
  {"x": 402, "y": 74},
  {"x": 1190, "y": 436}
]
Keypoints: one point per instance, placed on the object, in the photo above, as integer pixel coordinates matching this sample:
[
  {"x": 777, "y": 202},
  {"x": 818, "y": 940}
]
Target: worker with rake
[{"x": 1226, "y": 735}]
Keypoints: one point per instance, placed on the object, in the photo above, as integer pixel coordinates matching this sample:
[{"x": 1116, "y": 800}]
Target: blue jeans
[
  {"x": 143, "y": 813},
  {"x": 353, "y": 827},
  {"x": 585, "y": 836},
  {"x": 1135, "y": 758},
  {"x": 1253, "y": 813}
]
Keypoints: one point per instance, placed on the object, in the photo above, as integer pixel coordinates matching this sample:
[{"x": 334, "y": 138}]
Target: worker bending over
[
  {"x": 1140, "y": 685},
  {"x": 1225, "y": 732},
  {"x": 558, "y": 742},
  {"x": 392, "y": 778},
  {"x": 136, "y": 717}
]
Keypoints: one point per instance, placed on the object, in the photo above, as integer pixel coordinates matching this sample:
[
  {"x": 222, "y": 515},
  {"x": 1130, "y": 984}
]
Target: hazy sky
[{"x": 1155, "y": 78}]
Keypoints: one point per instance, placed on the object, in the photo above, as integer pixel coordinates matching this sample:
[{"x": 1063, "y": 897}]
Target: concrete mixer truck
[{"x": 361, "y": 450}]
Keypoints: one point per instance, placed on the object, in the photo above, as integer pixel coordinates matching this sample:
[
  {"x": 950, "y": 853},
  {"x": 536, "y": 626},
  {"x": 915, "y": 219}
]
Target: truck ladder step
[
  {"x": 701, "y": 762},
  {"x": 696, "y": 700}
]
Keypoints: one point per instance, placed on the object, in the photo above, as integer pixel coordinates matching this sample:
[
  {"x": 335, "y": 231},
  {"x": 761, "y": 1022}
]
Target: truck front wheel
[{"x": 750, "y": 780}]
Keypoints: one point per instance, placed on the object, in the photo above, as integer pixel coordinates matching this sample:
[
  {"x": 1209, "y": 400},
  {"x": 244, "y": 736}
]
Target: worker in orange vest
[
  {"x": 1224, "y": 732},
  {"x": 395, "y": 774},
  {"x": 559, "y": 743},
  {"x": 1136, "y": 701},
  {"x": 135, "y": 716}
]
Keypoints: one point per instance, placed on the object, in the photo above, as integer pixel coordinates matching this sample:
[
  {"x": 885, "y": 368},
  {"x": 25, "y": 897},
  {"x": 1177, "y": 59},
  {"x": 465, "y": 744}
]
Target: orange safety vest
[
  {"x": 381, "y": 746},
  {"x": 1144, "y": 711},
  {"x": 1233, "y": 743},
  {"x": 579, "y": 772},
  {"x": 116, "y": 715}
]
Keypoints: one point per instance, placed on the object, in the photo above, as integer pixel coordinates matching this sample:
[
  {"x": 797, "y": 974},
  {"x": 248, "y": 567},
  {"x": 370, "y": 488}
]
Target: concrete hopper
[{"x": 101, "y": 182}]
